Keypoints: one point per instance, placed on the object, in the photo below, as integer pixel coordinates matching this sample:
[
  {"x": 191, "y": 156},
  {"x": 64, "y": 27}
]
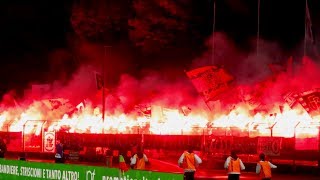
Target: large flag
[
  {"x": 58, "y": 104},
  {"x": 310, "y": 100},
  {"x": 249, "y": 96},
  {"x": 210, "y": 81},
  {"x": 291, "y": 98}
]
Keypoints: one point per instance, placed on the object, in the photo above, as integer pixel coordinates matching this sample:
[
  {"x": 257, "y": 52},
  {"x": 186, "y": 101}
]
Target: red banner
[
  {"x": 291, "y": 98},
  {"x": 210, "y": 81},
  {"x": 310, "y": 100}
]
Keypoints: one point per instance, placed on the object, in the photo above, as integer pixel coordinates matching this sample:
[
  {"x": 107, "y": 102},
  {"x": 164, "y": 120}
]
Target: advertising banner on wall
[
  {"x": 271, "y": 146},
  {"x": 32, "y": 142},
  {"x": 13, "y": 169}
]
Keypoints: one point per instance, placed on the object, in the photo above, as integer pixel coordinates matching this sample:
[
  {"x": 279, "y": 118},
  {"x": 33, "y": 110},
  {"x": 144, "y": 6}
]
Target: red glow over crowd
[{"x": 253, "y": 110}]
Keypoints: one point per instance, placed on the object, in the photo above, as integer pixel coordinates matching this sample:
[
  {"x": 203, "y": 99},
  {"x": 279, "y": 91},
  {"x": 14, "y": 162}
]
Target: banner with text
[
  {"x": 210, "y": 81},
  {"x": 13, "y": 169},
  {"x": 271, "y": 146},
  {"x": 310, "y": 100}
]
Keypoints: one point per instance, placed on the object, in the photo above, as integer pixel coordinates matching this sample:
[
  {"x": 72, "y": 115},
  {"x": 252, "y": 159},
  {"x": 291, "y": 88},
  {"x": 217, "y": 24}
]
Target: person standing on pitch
[
  {"x": 189, "y": 161},
  {"x": 139, "y": 160},
  {"x": 3, "y": 147},
  {"x": 109, "y": 158},
  {"x": 59, "y": 158},
  {"x": 234, "y": 165},
  {"x": 263, "y": 168}
]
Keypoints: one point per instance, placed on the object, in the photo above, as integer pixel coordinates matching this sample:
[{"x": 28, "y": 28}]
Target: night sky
[{"x": 32, "y": 31}]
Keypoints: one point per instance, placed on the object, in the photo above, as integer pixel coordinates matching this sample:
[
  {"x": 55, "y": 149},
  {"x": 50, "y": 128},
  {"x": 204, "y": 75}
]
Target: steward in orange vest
[
  {"x": 139, "y": 160},
  {"x": 234, "y": 165},
  {"x": 189, "y": 161},
  {"x": 263, "y": 168}
]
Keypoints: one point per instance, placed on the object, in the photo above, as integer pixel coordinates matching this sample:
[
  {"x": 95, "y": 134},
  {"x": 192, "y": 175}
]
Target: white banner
[{"x": 49, "y": 142}]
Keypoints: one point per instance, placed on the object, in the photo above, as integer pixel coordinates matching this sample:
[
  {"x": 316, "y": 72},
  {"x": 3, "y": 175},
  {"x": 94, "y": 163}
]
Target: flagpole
[
  {"x": 103, "y": 87},
  {"x": 258, "y": 29},
  {"x": 103, "y": 95},
  {"x": 213, "y": 29},
  {"x": 305, "y": 29}
]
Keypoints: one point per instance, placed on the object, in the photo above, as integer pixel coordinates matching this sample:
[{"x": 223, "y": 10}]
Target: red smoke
[{"x": 253, "y": 79}]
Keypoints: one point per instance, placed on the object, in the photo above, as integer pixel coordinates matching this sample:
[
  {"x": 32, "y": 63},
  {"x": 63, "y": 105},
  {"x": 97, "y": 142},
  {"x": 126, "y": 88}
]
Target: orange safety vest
[
  {"x": 188, "y": 161},
  {"x": 265, "y": 171},
  {"x": 140, "y": 163},
  {"x": 234, "y": 165}
]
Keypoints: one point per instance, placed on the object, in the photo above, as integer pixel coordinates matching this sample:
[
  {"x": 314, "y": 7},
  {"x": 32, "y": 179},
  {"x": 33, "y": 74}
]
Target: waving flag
[
  {"x": 291, "y": 98},
  {"x": 58, "y": 104},
  {"x": 210, "y": 81},
  {"x": 310, "y": 100}
]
